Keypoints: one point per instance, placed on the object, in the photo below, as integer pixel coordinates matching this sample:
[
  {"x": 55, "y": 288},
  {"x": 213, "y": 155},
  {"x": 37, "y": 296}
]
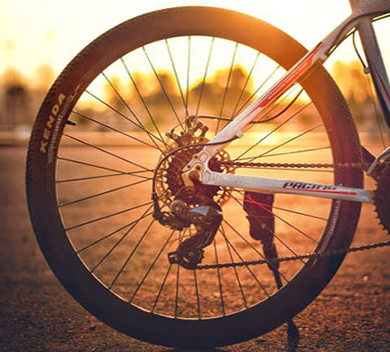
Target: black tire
[{"x": 59, "y": 247}]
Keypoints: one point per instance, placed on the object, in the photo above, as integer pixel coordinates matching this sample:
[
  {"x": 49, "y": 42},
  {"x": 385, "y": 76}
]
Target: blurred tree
[
  {"x": 163, "y": 87},
  {"x": 114, "y": 93},
  {"x": 16, "y": 108},
  {"x": 355, "y": 87},
  {"x": 12, "y": 76},
  {"x": 45, "y": 76},
  {"x": 212, "y": 91}
]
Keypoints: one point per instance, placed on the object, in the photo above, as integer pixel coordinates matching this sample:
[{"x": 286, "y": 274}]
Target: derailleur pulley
[{"x": 206, "y": 219}]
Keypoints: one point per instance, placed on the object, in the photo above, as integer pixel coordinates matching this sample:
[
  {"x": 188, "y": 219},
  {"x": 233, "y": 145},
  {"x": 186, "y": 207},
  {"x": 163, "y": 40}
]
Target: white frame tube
[{"x": 236, "y": 127}]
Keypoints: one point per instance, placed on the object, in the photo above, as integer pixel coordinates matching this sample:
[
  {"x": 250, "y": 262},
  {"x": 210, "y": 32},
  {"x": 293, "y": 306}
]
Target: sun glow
[
  {"x": 38, "y": 39},
  {"x": 47, "y": 32}
]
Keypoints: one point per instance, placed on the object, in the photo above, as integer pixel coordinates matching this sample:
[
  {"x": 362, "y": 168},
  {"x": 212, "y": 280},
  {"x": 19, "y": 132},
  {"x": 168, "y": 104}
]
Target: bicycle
[{"x": 176, "y": 260}]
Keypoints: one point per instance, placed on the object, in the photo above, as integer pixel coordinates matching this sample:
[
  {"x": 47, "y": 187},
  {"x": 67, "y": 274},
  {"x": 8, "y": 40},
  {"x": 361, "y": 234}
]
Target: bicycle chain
[
  {"x": 338, "y": 251},
  {"x": 290, "y": 165}
]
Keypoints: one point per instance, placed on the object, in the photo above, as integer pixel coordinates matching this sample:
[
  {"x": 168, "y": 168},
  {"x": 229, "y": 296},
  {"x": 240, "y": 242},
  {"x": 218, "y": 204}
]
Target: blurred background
[{"x": 38, "y": 39}]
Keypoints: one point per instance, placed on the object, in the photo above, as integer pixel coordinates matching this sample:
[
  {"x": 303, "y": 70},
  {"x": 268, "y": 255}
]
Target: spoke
[
  {"x": 248, "y": 243},
  {"x": 123, "y": 101},
  {"x": 107, "y": 152},
  {"x": 197, "y": 294},
  {"x": 118, "y": 131},
  {"x": 294, "y": 152},
  {"x": 123, "y": 115},
  {"x": 177, "y": 77},
  {"x": 246, "y": 266},
  {"x": 131, "y": 254},
  {"x": 270, "y": 133},
  {"x": 269, "y": 210},
  {"x": 234, "y": 268},
  {"x": 119, "y": 173},
  {"x": 112, "y": 233},
  {"x": 161, "y": 288},
  {"x": 163, "y": 88},
  {"x": 291, "y": 139},
  {"x": 276, "y": 236},
  {"x": 133, "y": 173},
  {"x": 300, "y": 213},
  {"x": 107, "y": 216},
  {"x": 143, "y": 101},
  {"x": 165, "y": 278},
  {"x": 243, "y": 238},
  {"x": 293, "y": 226},
  {"x": 101, "y": 193},
  {"x": 219, "y": 279},
  {"x": 134, "y": 224},
  {"x": 245, "y": 85},
  {"x": 99, "y": 177},
  {"x": 188, "y": 72},
  {"x": 151, "y": 266},
  {"x": 181, "y": 235},
  {"x": 261, "y": 205},
  {"x": 227, "y": 85},
  {"x": 284, "y": 209},
  {"x": 205, "y": 75},
  {"x": 286, "y": 245},
  {"x": 258, "y": 89}
]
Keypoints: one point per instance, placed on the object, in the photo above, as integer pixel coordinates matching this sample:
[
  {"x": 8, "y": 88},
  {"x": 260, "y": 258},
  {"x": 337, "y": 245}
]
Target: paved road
[{"x": 36, "y": 314}]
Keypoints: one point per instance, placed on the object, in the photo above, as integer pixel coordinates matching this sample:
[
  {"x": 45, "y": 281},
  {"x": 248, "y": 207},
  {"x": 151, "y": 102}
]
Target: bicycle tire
[{"x": 47, "y": 221}]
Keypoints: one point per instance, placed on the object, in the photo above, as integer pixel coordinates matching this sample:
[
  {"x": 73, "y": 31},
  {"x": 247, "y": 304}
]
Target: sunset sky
[{"x": 52, "y": 32}]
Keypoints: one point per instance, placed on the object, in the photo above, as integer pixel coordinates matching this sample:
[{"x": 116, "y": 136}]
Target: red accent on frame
[
  {"x": 286, "y": 83},
  {"x": 319, "y": 191},
  {"x": 383, "y": 84}
]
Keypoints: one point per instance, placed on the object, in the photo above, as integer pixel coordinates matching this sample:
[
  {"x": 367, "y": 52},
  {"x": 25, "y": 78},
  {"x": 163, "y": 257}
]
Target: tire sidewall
[{"x": 41, "y": 168}]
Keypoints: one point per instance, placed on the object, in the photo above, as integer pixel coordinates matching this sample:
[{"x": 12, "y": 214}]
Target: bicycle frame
[{"x": 363, "y": 12}]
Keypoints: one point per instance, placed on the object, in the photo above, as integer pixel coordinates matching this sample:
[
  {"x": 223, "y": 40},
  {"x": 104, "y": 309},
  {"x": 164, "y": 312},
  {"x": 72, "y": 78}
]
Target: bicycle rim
[{"x": 106, "y": 134}]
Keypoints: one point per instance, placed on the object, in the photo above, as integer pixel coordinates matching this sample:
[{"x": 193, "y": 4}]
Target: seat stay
[
  {"x": 236, "y": 128},
  {"x": 319, "y": 53}
]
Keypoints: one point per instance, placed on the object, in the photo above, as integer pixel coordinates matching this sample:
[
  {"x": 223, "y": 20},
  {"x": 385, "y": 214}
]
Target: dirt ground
[{"x": 37, "y": 314}]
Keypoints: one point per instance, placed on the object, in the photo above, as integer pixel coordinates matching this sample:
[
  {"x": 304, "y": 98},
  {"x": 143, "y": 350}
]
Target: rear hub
[{"x": 169, "y": 181}]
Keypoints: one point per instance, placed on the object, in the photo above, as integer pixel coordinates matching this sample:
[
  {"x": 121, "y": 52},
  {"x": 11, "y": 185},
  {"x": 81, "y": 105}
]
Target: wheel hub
[{"x": 170, "y": 184}]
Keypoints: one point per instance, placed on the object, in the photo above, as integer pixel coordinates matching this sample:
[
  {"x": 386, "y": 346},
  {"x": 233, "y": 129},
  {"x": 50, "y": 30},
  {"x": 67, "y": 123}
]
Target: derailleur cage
[{"x": 206, "y": 218}]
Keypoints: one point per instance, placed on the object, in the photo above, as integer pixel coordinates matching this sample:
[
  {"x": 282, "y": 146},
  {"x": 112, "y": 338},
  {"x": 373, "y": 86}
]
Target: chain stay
[{"x": 338, "y": 251}]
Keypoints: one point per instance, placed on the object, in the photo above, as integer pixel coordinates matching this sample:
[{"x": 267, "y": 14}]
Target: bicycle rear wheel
[{"x": 121, "y": 105}]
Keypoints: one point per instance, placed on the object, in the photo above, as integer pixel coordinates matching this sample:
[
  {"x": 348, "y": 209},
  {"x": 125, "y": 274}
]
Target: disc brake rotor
[{"x": 169, "y": 182}]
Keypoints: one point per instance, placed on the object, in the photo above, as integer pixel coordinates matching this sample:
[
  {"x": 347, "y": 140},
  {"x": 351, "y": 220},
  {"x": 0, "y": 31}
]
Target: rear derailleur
[{"x": 206, "y": 218}]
